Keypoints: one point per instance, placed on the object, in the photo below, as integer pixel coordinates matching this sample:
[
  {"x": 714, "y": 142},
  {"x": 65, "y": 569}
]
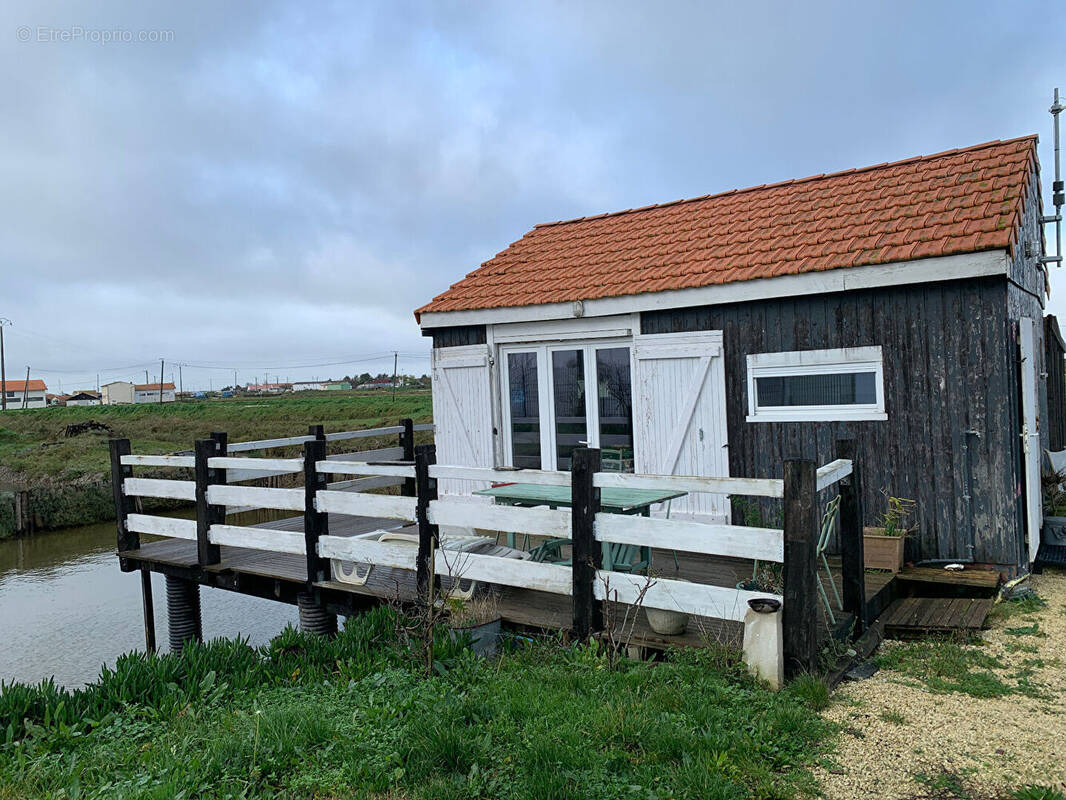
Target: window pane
[
  {"x": 525, "y": 410},
  {"x": 571, "y": 425},
  {"x": 847, "y": 389},
  {"x": 615, "y": 398}
]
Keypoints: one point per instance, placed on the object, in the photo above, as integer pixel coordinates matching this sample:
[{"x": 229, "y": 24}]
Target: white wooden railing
[{"x": 704, "y": 538}]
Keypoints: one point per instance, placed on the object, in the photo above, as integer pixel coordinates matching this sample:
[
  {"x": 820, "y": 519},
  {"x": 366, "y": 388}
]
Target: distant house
[
  {"x": 309, "y": 386},
  {"x": 150, "y": 393},
  {"x": 899, "y": 305},
  {"x": 76, "y": 399},
  {"x": 343, "y": 386},
  {"x": 375, "y": 385},
  {"x": 32, "y": 392},
  {"x": 83, "y": 399},
  {"x": 269, "y": 388},
  {"x": 117, "y": 393}
]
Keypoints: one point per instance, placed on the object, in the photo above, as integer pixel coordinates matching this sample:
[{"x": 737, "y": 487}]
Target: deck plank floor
[{"x": 912, "y": 617}]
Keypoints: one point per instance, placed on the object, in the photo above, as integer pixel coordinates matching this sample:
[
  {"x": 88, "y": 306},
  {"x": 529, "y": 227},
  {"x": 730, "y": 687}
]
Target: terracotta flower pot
[{"x": 880, "y": 551}]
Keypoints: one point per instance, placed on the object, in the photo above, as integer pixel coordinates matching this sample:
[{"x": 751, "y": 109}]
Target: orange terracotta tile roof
[
  {"x": 20, "y": 386},
  {"x": 959, "y": 201},
  {"x": 152, "y": 387}
]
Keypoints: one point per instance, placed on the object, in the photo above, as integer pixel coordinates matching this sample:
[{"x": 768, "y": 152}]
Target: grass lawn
[
  {"x": 356, "y": 717},
  {"x": 33, "y": 449}
]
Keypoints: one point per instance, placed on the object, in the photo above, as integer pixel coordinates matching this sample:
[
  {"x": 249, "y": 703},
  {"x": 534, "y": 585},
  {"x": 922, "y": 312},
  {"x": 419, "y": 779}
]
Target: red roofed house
[
  {"x": 25, "y": 394},
  {"x": 900, "y": 305}
]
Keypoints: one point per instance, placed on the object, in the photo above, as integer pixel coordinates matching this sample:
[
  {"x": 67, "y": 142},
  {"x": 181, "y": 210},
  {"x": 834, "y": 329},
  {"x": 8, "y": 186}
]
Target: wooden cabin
[{"x": 900, "y": 305}]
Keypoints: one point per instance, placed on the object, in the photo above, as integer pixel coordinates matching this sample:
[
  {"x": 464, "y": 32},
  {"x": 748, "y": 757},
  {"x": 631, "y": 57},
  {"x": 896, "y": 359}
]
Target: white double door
[
  {"x": 558, "y": 397},
  {"x": 653, "y": 404}
]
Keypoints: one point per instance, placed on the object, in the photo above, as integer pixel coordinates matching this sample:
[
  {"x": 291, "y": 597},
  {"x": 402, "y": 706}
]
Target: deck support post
[
  {"x": 313, "y": 615},
  {"x": 206, "y": 515},
  {"x": 183, "y": 612},
  {"x": 407, "y": 442},
  {"x": 127, "y": 539},
  {"x": 148, "y": 603},
  {"x": 800, "y": 635},
  {"x": 316, "y": 523},
  {"x": 587, "y": 554},
  {"x": 428, "y": 534},
  {"x": 852, "y": 566}
]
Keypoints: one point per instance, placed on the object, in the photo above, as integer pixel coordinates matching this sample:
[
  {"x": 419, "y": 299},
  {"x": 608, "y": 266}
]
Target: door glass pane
[
  {"x": 568, "y": 385},
  {"x": 615, "y": 398},
  {"x": 844, "y": 389},
  {"x": 525, "y": 410}
]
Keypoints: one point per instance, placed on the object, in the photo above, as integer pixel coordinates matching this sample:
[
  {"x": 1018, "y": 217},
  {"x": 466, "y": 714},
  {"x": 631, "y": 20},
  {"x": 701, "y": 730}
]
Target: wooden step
[
  {"x": 913, "y": 617},
  {"x": 985, "y": 581}
]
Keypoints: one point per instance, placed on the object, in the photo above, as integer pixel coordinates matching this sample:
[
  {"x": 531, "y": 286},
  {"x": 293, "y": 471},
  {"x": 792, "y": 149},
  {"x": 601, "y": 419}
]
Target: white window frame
[
  {"x": 817, "y": 362},
  {"x": 543, "y": 350}
]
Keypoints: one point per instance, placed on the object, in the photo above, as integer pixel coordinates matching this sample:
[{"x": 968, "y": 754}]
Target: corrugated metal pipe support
[
  {"x": 313, "y": 617},
  {"x": 183, "y": 613}
]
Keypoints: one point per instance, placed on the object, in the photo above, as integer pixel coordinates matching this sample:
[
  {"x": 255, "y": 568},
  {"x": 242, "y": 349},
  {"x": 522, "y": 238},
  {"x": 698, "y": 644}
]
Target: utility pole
[
  {"x": 26, "y": 389},
  {"x": 4, "y": 322},
  {"x": 146, "y": 380},
  {"x": 234, "y": 383},
  {"x": 181, "y": 382},
  {"x": 160, "y": 381},
  {"x": 395, "y": 360}
]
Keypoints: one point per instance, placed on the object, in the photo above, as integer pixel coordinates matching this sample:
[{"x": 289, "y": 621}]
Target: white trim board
[{"x": 897, "y": 273}]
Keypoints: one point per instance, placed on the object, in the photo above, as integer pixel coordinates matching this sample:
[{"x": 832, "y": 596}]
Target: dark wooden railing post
[
  {"x": 220, "y": 438},
  {"x": 587, "y": 553},
  {"x": 316, "y": 523},
  {"x": 426, "y": 489},
  {"x": 318, "y": 431},
  {"x": 852, "y": 566},
  {"x": 206, "y": 514},
  {"x": 127, "y": 539},
  {"x": 407, "y": 442},
  {"x": 800, "y": 632}
]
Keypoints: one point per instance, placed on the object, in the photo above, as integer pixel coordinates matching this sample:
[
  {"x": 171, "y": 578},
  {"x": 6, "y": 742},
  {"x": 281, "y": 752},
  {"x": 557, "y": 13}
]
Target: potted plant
[
  {"x": 479, "y": 619},
  {"x": 883, "y": 543},
  {"x": 767, "y": 577}
]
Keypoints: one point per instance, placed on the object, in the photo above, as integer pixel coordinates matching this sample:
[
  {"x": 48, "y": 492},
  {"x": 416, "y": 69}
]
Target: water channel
[{"x": 66, "y": 608}]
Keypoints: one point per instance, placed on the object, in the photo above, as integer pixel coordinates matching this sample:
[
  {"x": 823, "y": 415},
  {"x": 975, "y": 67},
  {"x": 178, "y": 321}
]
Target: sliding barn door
[
  {"x": 679, "y": 414},
  {"x": 462, "y": 412}
]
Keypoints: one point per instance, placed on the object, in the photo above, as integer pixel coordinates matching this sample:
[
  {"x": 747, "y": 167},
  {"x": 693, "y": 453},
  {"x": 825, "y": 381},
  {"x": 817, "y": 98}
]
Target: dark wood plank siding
[
  {"x": 457, "y": 335},
  {"x": 1055, "y": 352},
  {"x": 950, "y": 393}
]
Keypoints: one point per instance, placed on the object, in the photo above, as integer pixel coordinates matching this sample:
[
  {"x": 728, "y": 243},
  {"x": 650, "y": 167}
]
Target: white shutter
[
  {"x": 679, "y": 413},
  {"x": 462, "y": 412},
  {"x": 1034, "y": 511}
]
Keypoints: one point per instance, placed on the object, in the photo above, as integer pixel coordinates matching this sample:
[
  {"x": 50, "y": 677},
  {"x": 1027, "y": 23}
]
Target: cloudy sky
[{"x": 274, "y": 187}]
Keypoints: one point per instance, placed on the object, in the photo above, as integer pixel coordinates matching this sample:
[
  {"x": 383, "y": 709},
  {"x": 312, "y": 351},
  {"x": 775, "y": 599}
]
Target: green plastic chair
[
  {"x": 829, "y": 522},
  {"x": 616, "y": 557}
]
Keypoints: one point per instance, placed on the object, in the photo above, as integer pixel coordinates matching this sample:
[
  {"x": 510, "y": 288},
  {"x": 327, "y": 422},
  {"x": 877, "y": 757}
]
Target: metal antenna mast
[{"x": 1056, "y": 188}]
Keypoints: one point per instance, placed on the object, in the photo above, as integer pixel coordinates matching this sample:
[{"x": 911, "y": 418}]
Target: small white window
[{"x": 816, "y": 385}]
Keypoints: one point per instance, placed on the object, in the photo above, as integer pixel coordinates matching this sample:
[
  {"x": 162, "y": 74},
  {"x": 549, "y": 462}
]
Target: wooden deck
[
  {"x": 282, "y": 576},
  {"x": 913, "y": 617}
]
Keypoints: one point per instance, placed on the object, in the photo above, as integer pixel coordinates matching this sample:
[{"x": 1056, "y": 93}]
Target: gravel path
[{"x": 993, "y": 743}]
